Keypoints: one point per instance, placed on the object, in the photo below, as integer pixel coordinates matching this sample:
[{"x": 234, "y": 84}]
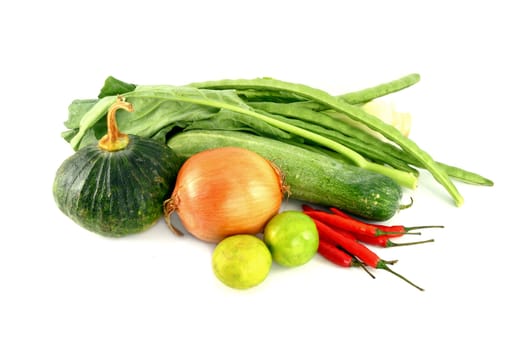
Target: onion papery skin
[{"x": 226, "y": 191}]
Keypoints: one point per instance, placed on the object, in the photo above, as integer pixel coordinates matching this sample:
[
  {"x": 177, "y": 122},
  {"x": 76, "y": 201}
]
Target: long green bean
[
  {"x": 371, "y": 93},
  {"x": 362, "y": 96},
  {"x": 325, "y": 119},
  {"x": 355, "y": 144},
  {"x": 465, "y": 175},
  {"x": 377, "y": 149},
  {"x": 352, "y": 112},
  {"x": 351, "y": 136}
]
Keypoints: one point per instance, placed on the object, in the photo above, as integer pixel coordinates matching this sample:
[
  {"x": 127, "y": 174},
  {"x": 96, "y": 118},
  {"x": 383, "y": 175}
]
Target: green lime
[
  {"x": 292, "y": 238},
  {"x": 241, "y": 261}
]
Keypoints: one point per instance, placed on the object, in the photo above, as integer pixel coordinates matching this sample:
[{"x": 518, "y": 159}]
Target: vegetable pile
[{"x": 222, "y": 155}]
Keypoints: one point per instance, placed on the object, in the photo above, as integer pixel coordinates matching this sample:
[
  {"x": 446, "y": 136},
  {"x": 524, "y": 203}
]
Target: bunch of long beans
[{"x": 305, "y": 108}]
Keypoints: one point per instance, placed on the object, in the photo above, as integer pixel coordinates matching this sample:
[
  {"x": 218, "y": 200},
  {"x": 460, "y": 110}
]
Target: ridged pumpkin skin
[{"x": 117, "y": 193}]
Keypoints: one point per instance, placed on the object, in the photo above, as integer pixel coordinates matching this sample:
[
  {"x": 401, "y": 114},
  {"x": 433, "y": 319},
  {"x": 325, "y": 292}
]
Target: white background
[{"x": 62, "y": 287}]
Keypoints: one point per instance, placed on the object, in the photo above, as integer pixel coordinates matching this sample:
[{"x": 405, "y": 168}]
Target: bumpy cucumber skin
[
  {"x": 116, "y": 193},
  {"x": 312, "y": 177}
]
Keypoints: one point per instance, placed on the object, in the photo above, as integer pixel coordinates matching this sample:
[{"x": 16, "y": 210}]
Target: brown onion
[{"x": 225, "y": 191}]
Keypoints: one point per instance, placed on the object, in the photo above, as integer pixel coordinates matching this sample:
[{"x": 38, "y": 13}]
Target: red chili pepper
[
  {"x": 339, "y": 257},
  {"x": 334, "y": 254},
  {"x": 339, "y": 212},
  {"x": 399, "y": 229},
  {"x": 348, "y": 243},
  {"x": 353, "y": 247},
  {"x": 307, "y": 208},
  {"x": 344, "y": 223}
]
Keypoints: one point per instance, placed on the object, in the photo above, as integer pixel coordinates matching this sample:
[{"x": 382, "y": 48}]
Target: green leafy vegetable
[{"x": 294, "y": 113}]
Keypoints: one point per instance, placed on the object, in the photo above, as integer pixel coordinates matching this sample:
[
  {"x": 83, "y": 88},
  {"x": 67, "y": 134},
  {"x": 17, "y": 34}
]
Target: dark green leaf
[{"x": 113, "y": 86}]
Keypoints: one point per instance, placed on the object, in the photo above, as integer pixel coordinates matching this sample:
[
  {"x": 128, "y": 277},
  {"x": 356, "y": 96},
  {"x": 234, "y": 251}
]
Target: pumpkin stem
[{"x": 114, "y": 140}]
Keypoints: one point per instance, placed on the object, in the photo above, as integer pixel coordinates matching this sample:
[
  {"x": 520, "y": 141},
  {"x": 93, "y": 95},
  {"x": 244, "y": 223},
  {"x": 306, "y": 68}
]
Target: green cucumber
[{"x": 310, "y": 176}]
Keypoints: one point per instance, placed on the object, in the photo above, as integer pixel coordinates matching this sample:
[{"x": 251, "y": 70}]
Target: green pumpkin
[{"x": 117, "y": 186}]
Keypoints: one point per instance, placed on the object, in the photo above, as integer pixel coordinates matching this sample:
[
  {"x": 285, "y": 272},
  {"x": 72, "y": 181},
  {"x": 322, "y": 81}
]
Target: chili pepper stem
[
  {"x": 423, "y": 227},
  {"x": 384, "y": 266},
  {"x": 393, "y": 244},
  {"x": 380, "y": 232},
  {"x": 363, "y": 266},
  {"x": 389, "y": 262},
  {"x": 360, "y": 264}
]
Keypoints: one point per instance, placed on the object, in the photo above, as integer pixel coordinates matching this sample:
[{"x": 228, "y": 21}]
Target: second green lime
[{"x": 292, "y": 238}]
